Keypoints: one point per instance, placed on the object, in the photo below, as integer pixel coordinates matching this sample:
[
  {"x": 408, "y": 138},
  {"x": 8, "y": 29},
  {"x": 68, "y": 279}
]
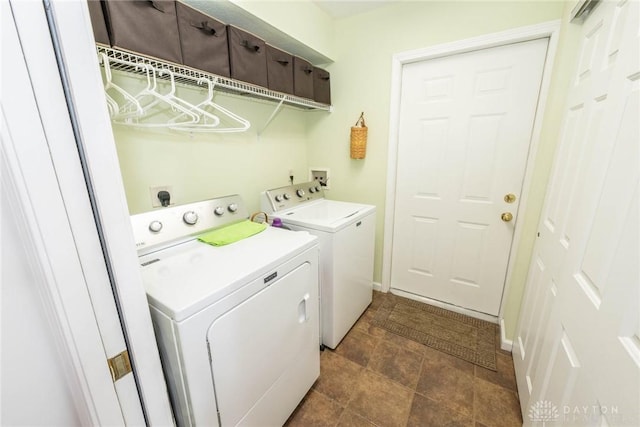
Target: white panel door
[
  {"x": 465, "y": 128},
  {"x": 577, "y": 346}
]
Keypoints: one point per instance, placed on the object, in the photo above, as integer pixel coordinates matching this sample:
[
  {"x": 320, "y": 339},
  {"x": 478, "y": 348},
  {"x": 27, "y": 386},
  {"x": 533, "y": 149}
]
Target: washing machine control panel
[
  {"x": 163, "y": 227},
  {"x": 279, "y": 199}
]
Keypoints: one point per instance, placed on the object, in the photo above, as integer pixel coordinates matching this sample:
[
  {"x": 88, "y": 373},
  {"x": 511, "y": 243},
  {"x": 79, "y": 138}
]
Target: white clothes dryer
[
  {"x": 237, "y": 325},
  {"x": 346, "y": 233}
]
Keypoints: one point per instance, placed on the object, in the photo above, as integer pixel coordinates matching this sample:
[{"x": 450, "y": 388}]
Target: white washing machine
[
  {"x": 346, "y": 233},
  {"x": 237, "y": 325}
]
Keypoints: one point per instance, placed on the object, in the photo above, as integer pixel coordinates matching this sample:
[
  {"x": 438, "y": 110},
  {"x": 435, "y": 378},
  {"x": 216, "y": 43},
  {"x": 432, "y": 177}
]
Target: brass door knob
[
  {"x": 510, "y": 198},
  {"x": 506, "y": 216}
]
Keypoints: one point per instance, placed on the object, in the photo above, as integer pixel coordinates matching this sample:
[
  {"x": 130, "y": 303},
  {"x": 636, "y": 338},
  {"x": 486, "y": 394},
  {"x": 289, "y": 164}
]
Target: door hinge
[{"x": 119, "y": 365}]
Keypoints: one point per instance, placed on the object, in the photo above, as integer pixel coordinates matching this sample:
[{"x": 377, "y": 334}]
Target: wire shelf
[{"x": 192, "y": 77}]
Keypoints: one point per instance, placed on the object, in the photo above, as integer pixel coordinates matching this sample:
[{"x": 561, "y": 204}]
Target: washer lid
[
  {"x": 186, "y": 278},
  {"x": 326, "y": 215}
]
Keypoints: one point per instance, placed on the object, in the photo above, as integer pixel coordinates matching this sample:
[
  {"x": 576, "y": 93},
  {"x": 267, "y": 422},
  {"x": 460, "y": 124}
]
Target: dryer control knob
[
  {"x": 232, "y": 207},
  {"x": 278, "y": 198},
  {"x": 190, "y": 217},
  {"x": 317, "y": 188},
  {"x": 286, "y": 196},
  {"x": 155, "y": 226},
  {"x": 312, "y": 189},
  {"x": 219, "y": 211},
  {"x": 300, "y": 192}
]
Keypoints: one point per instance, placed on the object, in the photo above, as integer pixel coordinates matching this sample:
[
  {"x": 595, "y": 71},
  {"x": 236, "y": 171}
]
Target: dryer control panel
[
  {"x": 164, "y": 227},
  {"x": 283, "y": 198}
]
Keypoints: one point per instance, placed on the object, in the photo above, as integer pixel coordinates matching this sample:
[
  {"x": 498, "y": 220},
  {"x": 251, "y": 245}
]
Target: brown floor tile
[
  {"x": 443, "y": 382},
  {"x": 349, "y": 419},
  {"x": 357, "y": 346},
  {"x": 403, "y": 342},
  {"x": 505, "y": 376},
  {"x": 381, "y": 401},
  {"x": 364, "y": 325},
  {"x": 439, "y": 357},
  {"x": 396, "y": 363},
  {"x": 426, "y": 413},
  {"x": 378, "y": 299},
  {"x": 496, "y": 406},
  {"x": 338, "y": 377},
  {"x": 368, "y": 381},
  {"x": 315, "y": 410}
]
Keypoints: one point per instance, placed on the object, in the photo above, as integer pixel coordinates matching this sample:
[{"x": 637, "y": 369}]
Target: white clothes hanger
[
  {"x": 149, "y": 107},
  {"x": 208, "y": 103},
  {"x": 157, "y": 103},
  {"x": 207, "y": 120},
  {"x": 112, "y": 104}
]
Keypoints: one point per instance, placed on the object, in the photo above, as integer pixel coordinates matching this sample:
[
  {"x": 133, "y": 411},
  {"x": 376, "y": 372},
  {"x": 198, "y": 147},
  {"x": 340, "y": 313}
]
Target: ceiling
[
  {"x": 230, "y": 13},
  {"x": 338, "y": 9}
]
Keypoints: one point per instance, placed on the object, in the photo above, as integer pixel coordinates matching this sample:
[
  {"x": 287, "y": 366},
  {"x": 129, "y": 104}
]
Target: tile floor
[{"x": 376, "y": 378}]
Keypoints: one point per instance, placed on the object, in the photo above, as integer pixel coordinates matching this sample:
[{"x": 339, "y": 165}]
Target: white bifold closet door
[{"x": 577, "y": 345}]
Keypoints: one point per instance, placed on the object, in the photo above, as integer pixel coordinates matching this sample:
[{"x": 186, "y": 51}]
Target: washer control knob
[
  {"x": 278, "y": 198},
  {"x": 232, "y": 207},
  {"x": 300, "y": 192},
  {"x": 219, "y": 211},
  {"x": 312, "y": 189},
  {"x": 190, "y": 217},
  {"x": 155, "y": 226},
  {"x": 286, "y": 196},
  {"x": 317, "y": 188}
]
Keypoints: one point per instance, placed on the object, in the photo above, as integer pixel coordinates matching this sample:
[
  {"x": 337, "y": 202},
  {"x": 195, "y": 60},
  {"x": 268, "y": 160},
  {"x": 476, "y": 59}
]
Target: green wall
[{"x": 205, "y": 165}]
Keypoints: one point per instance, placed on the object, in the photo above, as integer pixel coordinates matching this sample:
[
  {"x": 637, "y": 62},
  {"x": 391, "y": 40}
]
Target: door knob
[
  {"x": 506, "y": 216},
  {"x": 510, "y": 198}
]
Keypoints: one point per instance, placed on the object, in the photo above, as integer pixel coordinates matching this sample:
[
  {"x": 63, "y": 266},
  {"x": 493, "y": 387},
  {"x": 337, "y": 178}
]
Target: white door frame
[{"x": 549, "y": 30}]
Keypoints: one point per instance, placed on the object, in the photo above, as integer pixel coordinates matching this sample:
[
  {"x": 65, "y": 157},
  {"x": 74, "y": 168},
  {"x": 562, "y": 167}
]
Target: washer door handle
[{"x": 303, "y": 314}]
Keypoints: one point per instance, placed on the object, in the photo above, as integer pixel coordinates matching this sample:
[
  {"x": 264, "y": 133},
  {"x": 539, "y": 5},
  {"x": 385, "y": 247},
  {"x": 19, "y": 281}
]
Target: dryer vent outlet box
[{"x": 320, "y": 175}]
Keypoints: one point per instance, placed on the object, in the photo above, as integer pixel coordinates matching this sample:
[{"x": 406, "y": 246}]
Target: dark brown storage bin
[
  {"x": 146, "y": 27},
  {"x": 321, "y": 86},
  {"x": 203, "y": 41},
  {"x": 302, "y": 78},
  {"x": 279, "y": 70},
  {"x": 247, "y": 57},
  {"x": 98, "y": 23}
]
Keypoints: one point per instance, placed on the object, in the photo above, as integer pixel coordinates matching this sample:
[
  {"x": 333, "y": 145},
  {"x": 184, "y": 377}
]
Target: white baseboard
[
  {"x": 505, "y": 344},
  {"x": 377, "y": 286}
]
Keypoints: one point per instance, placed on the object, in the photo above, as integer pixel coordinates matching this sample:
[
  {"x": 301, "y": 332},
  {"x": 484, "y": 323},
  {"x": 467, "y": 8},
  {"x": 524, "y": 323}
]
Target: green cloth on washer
[{"x": 232, "y": 233}]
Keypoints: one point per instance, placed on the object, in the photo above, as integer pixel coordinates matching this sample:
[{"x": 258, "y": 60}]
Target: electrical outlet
[
  {"x": 153, "y": 192},
  {"x": 320, "y": 175}
]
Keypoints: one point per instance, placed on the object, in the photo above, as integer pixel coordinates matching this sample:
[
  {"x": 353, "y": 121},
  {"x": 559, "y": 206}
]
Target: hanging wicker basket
[{"x": 359, "y": 139}]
